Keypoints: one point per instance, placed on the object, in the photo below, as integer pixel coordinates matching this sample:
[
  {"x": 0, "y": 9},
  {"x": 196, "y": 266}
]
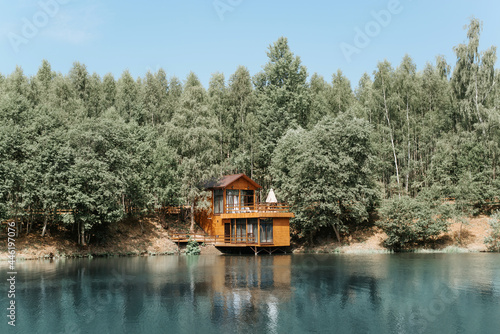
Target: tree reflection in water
[{"x": 412, "y": 293}]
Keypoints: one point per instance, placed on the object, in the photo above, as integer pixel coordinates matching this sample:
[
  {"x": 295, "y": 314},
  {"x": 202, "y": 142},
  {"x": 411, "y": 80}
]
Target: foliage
[
  {"x": 192, "y": 247},
  {"x": 493, "y": 240},
  {"x": 408, "y": 221},
  {"x": 325, "y": 174}
]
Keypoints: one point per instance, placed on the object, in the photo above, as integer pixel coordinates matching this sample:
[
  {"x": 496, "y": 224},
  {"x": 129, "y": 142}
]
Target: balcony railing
[
  {"x": 248, "y": 239},
  {"x": 256, "y": 208}
]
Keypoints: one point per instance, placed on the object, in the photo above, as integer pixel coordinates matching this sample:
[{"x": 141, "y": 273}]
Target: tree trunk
[
  {"x": 251, "y": 156},
  {"x": 494, "y": 166},
  {"x": 476, "y": 101},
  {"x": 409, "y": 153},
  {"x": 16, "y": 219},
  {"x": 191, "y": 228},
  {"x": 392, "y": 140},
  {"x": 44, "y": 225},
  {"x": 30, "y": 220},
  {"x": 78, "y": 230},
  {"x": 82, "y": 235},
  {"x": 336, "y": 232}
]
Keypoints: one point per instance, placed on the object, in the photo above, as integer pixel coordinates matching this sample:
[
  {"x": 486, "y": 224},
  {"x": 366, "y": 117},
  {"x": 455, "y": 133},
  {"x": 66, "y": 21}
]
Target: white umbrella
[{"x": 271, "y": 197}]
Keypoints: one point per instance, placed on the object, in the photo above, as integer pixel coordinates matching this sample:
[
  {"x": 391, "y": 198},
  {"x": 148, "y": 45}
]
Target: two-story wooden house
[{"x": 237, "y": 219}]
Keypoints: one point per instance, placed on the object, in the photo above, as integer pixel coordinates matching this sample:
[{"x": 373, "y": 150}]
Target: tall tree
[
  {"x": 241, "y": 103},
  {"x": 128, "y": 99},
  {"x": 408, "y": 87},
  {"x": 283, "y": 99},
  {"x": 193, "y": 133},
  {"x": 384, "y": 95},
  {"x": 473, "y": 78},
  {"x": 341, "y": 96},
  {"x": 319, "y": 91},
  {"x": 108, "y": 91}
]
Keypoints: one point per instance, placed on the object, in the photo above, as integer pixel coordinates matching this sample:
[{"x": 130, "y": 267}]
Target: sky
[{"x": 209, "y": 36}]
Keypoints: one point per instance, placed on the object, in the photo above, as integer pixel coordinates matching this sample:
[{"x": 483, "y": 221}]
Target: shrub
[
  {"x": 493, "y": 240},
  {"x": 408, "y": 221},
  {"x": 192, "y": 247}
]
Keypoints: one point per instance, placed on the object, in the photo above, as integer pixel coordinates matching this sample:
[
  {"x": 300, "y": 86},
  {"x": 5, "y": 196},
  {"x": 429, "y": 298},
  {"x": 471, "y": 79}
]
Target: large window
[
  {"x": 238, "y": 230},
  {"x": 266, "y": 230},
  {"x": 247, "y": 199},
  {"x": 218, "y": 200},
  {"x": 252, "y": 230},
  {"x": 244, "y": 230},
  {"x": 232, "y": 200}
]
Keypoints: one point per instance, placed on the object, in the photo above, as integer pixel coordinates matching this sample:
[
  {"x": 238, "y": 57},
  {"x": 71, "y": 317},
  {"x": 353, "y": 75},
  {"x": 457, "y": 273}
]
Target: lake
[{"x": 363, "y": 293}]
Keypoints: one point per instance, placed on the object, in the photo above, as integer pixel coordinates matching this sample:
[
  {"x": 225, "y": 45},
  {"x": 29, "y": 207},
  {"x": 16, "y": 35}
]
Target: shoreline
[
  {"x": 211, "y": 250},
  {"x": 147, "y": 236},
  {"x": 448, "y": 250}
]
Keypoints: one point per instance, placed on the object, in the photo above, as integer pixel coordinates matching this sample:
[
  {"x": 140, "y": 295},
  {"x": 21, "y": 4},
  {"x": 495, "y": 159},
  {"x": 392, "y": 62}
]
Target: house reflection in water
[{"x": 243, "y": 284}]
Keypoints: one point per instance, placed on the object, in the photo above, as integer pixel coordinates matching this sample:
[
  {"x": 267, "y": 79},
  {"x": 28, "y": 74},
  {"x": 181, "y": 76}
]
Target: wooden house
[{"x": 238, "y": 219}]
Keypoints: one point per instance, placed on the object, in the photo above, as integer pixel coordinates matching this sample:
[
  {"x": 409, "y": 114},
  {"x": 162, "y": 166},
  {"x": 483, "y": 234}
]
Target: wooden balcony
[{"x": 258, "y": 210}]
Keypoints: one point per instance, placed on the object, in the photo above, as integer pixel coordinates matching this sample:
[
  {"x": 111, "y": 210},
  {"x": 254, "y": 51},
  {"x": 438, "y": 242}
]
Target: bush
[
  {"x": 408, "y": 221},
  {"x": 192, "y": 247},
  {"x": 493, "y": 240}
]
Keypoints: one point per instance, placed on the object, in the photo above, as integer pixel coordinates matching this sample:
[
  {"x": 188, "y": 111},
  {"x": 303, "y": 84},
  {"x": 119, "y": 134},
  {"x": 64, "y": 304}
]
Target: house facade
[{"x": 238, "y": 219}]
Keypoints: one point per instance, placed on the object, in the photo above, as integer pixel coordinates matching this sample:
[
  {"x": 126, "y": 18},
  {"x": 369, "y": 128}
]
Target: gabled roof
[{"x": 227, "y": 180}]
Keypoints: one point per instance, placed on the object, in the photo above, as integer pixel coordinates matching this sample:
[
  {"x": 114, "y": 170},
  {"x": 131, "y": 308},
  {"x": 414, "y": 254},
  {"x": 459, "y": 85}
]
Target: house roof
[{"x": 226, "y": 180}]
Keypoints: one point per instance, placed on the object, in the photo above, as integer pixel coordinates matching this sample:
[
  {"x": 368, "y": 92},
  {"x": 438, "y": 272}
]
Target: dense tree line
[{"x": 96, "y": 147}]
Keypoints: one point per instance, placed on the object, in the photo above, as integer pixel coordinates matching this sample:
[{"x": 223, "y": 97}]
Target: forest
[{"x": 80, "y": 152}]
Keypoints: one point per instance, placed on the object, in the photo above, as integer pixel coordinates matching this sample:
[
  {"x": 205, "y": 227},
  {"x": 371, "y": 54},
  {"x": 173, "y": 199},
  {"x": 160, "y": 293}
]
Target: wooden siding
[
  {"x": 281, "y": 231},
  {"x": 241, "y": 184}
]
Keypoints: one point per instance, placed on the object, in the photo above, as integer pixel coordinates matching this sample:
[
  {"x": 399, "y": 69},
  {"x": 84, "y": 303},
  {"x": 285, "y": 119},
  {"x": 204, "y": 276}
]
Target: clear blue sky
[{"x": 191, "y": 35}]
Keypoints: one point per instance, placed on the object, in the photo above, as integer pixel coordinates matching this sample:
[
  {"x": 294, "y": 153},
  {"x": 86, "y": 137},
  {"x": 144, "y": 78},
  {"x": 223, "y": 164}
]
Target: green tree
[
  {"x": 409, "y": 221},
  {"x": 319, "y": 91},
  {"x": 282, "y": 94},
  {"x": 473, "y": 78},
  {"x": 193, "y": 133},
  {"x": 492, "y": 241},
  {"x": 385, "y": 99},
  {"x": 325, "y": 174},
  {"x": 108, "y": 91},
  {"x": 128, "y": 99},
  {"x": 364, "y": 96},
  {"x": 94, "y": 103},
  {"x": 243, "y": 121},
  {"x": 79, "y": 78},
  {"x": 155, "y": 96},
  {"x": 340, "y": 97},
  {"x": 97, "y": 177}
]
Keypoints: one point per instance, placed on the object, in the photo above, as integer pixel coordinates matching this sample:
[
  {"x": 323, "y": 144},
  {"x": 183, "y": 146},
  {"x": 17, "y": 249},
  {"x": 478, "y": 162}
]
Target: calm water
[{"x": 408, "y": 293}]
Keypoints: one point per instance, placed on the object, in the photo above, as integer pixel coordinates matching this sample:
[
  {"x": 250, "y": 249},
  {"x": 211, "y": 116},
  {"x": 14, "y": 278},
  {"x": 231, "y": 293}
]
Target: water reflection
[{"x": 408, "y": 293}]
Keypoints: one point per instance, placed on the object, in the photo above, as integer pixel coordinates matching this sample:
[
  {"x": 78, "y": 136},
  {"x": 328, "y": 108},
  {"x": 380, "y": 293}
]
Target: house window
[
  {"x": 252, "y": 225},
  {"x": 238, "y": 230},
  {"x": 266, "y": 230},
  {"x": 232, "y": 200},
  {"x": 247, "y": 199},
  {"x": 218, "y": 201}
]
